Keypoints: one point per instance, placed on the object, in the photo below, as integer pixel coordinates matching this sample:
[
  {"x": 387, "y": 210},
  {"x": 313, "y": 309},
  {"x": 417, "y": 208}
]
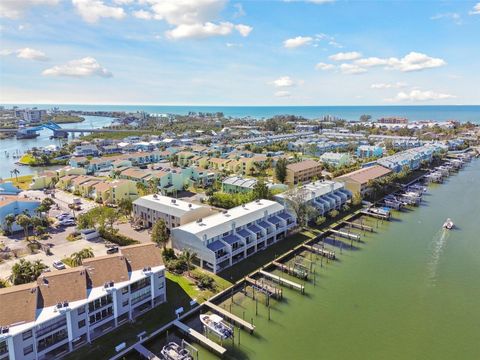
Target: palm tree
[
  {"x": 25, "y": 271},
  {"x": 77, "y": 257},
  {"x": 188, "y": 256},
  {"x": 15, "y": 172},
  {"x": 8, "y": 222},
  {"x": 24, "y": 221}
]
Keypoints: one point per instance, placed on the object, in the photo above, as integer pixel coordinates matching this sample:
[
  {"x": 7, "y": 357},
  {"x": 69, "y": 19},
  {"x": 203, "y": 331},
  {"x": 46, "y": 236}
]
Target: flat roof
[{"x": 166, "y": 205}]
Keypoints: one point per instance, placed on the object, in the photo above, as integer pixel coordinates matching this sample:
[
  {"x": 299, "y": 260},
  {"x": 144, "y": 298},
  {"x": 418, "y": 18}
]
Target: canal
[
  {"x": 410, "y": 290},
  {"x": 12, "y": 145}
]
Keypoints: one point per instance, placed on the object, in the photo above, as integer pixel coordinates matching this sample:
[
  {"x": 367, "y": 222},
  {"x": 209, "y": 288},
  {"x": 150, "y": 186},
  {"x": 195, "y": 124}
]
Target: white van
[{"x": 89, "y": 234}]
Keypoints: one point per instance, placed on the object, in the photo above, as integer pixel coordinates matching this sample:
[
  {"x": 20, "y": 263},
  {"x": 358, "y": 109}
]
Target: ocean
[{"x": 462, "y": 113}]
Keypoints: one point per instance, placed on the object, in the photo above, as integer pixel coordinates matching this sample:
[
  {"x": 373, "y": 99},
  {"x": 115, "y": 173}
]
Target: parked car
[
  {"x": 67, "y": 222},
  {"x": 59, "y": 265},
  {"x": 112, "y": 250}
]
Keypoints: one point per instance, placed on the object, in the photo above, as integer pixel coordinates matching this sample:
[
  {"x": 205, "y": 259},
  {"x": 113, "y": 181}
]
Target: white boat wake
[{"x": 438, "y": 245}]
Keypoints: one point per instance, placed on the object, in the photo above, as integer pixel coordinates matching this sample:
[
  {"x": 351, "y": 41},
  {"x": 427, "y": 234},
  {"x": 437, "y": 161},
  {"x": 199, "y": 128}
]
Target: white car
[{"x": 59, "y": 265}]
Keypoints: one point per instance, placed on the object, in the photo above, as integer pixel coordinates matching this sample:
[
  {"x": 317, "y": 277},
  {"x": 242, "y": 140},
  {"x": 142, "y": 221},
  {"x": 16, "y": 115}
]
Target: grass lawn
[{"x": 23, "y": 182}]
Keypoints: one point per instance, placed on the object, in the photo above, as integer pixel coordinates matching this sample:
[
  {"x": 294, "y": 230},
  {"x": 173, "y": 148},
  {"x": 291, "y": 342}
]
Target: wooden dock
[
  {"x": 283, "y": 281},
  {"x": 375, "y": 215},
  {"x": 145, "y": 352},
  {"x": 199, "y": 337},
  {"x": 345, "y": 235},
  {"x": 299, "y": 273},
  {"x": 320, "y": 251},
  {"x": 240, "y": 322},
  {"x": 265, "y": 288},
  {"x": 359, "y": 226}
]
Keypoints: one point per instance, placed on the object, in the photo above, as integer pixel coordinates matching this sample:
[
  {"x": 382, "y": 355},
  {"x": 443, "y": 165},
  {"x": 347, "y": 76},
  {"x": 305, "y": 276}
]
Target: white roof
[
  {"x": 316, "y": 189},
  {"x": 166, "y": 205},
  {"x": 220, "y": 223}
]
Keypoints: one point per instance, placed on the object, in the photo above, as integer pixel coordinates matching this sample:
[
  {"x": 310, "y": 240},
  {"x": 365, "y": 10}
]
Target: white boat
[
  {"x": 173, "y": 351},
  {"x": 216, "y": 324},
  {"x": 448, "y": 224}
]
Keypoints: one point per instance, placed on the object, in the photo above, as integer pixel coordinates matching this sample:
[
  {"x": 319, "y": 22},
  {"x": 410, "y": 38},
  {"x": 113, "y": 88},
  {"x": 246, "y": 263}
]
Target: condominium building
[
  {"x": 303, "y": 172},
  {"x": 358, "y": 181},
  {"x": 64, "y": 310},
  {"x": 412, "y": 158},
  {"x": 324, "y": 196},
  {"x": 226, "y": 238},
  {"x": 175, "y": 212}
]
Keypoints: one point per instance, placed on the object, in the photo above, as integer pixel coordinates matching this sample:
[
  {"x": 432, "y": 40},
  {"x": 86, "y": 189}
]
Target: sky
[{"x": 219, "y": 52}]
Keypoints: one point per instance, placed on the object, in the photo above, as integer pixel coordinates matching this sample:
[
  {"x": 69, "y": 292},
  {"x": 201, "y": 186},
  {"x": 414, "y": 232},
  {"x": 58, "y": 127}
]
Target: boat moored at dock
[
  {"x": 216, "y": 324},
  {"x": 173, "y": 351}
]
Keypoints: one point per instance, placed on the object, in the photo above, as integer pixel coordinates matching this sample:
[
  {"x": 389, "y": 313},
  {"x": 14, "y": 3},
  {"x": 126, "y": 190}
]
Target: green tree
[
  {"x": 8, "y": 222},
  {"x": 160, "y": 233},
  {"x": 333, "y": 214},
  {"x": 25, "y": 271},
  {"x": 261, "y": 191},
  {"x": 281, "y": 170},
  {"x": 79, "y": 256},
  {"x": 126, "y": 207},
  {"x": 142, "y": 189},
  {"x": 24, "y": 221},
  {"x": 320, "y": 220},
  {"x": 188, "y": 256}
]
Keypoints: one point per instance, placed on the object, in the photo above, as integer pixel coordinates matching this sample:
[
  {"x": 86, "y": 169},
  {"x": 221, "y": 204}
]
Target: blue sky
[{"x": 218, "y": 52}]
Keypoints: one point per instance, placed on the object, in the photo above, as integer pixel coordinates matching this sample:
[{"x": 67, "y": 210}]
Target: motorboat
[
  {"x": 216, "y": 324},
  {"x": 448, "y": 224},
  {"x": 173, "y": 351}
]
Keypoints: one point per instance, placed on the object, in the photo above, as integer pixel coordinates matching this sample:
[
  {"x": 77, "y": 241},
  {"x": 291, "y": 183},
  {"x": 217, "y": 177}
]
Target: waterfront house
[
  {"x": 304, "y": 171},
  {"x": 357, "y": 181},
  {"x": 223, "y": 239},
  {"x": 86, "y": 150},
  {"x": 66, "y": 309},
  {"x": 175, "y": 212},
  {"x": 368, "y": 151},
  {"x": 412, "y": 158}
]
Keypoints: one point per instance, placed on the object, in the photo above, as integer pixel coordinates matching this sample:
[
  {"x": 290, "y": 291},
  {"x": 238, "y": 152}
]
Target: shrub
[
  {"x": 116, "y": 238},
  {"x": 168, "y": 254},
  {"x": 177, "y": 266},
  {"x": 205, "y": 281}
]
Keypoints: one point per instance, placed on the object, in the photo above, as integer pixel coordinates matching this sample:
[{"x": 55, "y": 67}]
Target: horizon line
[{"x": 217, "y": 105}]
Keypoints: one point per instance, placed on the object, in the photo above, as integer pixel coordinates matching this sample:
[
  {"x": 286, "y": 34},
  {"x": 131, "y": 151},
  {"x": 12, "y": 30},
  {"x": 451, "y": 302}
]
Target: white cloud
[
  {"x": 418, "y": 95},
  {"x": 232, "y": 45},
  {"x": 198, "y": 31},
  {"x": 14, "y": 9},
  {"x": 324, "y": 66},
  {"x": 284, "y": 81},
  {"x": 142, "y": 14},
  {"x": 123, "y": 2},
  {"x": 413, "y": 61},
  {"x": 282, "y": 93},
  {"x": 31, "y": 54},
  {"x": 345, "y": 56},
  {"x": 191, "y": 18},
  {"x": 26, "y": 53},
  {"x": 320, "y": 1},
  {"x": 297, "y": 42},
  {"x": 240, "y": 11},
  {"x": 93, "y": 10},
  {"x": 244, "y": 30},
  {"x": 85, "y": 67},
  {"x": 351, "y": 69},
  {"x": 396, "y": 85},
  {"x": 476, "y": 10},
  {"x": 455, "y": 17}
]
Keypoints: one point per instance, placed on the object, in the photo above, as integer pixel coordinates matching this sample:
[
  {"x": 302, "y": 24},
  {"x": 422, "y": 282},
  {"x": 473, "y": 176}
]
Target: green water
[{"x": 411, "y": 290}]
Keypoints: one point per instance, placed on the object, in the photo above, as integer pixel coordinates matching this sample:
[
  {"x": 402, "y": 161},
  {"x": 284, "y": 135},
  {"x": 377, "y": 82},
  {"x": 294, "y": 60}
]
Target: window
[
  {"x": 81, "y": 310},
  {"x": 125, "y": 290},
  {"x": 125, "y": 303},
  {"x": 162, "y": 285},
  {"x": 27, "y": 350},
  {"x": 52, "y": 339},
  {"x": 99, "y": 316},
  {"x": 81, "y": 324},
  {"x": 27, "y": 335}
]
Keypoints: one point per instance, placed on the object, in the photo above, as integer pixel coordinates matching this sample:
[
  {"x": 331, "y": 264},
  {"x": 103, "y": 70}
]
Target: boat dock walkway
[
  {"x": 346, "y": 235},
  {"x": 300, "y": 273},
  {"x": 283, "y": 281},
  {"x": 199, "y": 337},
  {"x": 265, "y": 288},
  {"x": 145, "y": 352},
  {"x": 320, "y": 251},
  {"x": 231, "y": 316},
  {"x": 375, "y": 215},
  {"x": 359, "y": 226}
]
